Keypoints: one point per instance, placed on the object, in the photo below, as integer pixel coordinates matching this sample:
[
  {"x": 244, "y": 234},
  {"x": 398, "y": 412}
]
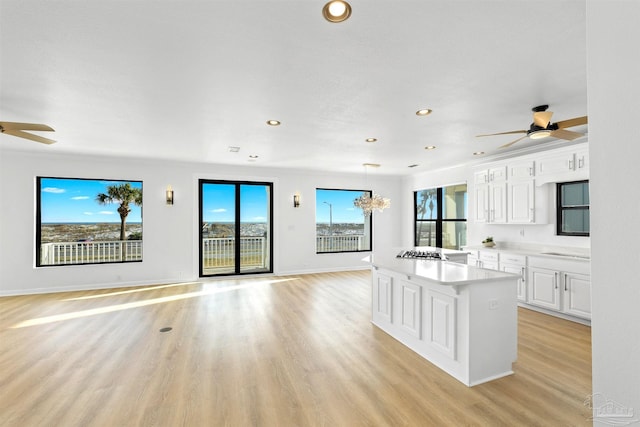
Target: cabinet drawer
[
  {"x": 488, "y": 256},
  {"x": 506, "y": 258}
]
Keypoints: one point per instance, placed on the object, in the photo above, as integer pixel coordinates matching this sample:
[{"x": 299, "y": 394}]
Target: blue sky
[
  {"x": 73, "y": 200},
  {"x": 342, "y": 207},
  {"x": 218, "y": 202}
]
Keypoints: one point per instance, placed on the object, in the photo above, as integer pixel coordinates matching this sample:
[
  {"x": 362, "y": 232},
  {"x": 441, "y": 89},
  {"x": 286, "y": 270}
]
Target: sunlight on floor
[{"x": 137, "y": 304}]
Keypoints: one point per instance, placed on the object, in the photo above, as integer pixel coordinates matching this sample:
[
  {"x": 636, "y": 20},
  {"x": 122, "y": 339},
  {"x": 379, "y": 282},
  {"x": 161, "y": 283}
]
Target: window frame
[
  {"x": 237, "y": 184},
  {"x": 370, "y": 222},
  {"x": 80, "y": 244},
  {"x": 561, "y": 209},
  {"x": 439, "y": 220}
]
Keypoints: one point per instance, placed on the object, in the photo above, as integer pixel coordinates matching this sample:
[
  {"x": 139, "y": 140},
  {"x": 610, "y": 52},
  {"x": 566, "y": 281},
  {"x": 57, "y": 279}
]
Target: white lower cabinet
[
  {"x": 382, "y": 297},
  {"x": 560, "y": 285},
  {"x": 516, "y": 264}
]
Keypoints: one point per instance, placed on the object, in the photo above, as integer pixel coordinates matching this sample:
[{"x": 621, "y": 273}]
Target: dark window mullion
[{"x": 238, "y": 232}]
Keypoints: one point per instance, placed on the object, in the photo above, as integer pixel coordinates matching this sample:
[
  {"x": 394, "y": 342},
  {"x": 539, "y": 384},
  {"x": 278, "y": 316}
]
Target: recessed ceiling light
[
  {"x": 371, "y": 139},
  {"x": 336, "y": 11},
  {"x": 423, "y": 112},
  {"x": 234, "y": 149},
  {"x": 253, "y": 156},
  {"x": 478, "y": 153},
  {"x": 371, "y": 165},
  {"x": 412, "y": 166},
  {"x": 430, "y": 147},
  {"x": 273, "y": 122}
]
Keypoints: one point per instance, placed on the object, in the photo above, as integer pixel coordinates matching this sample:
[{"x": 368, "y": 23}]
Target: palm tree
[{"x": 124, "y": 194}]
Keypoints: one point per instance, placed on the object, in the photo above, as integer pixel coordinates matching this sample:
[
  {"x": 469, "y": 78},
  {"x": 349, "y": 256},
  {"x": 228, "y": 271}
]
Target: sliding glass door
[{"x": 235, "y": 227}]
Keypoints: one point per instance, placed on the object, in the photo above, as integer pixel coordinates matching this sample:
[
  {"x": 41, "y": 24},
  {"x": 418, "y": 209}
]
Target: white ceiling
[{"x": 187, "y": 79}]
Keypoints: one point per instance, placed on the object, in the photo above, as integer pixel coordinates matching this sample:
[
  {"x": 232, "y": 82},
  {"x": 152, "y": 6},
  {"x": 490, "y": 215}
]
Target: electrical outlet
[
  {"x": 522, "y": 232},
  {"x": 493, "y": 304}
]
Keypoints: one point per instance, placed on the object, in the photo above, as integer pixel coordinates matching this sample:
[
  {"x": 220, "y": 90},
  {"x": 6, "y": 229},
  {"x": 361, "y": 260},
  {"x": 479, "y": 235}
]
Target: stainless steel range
[{"x": 420, "y": 254}]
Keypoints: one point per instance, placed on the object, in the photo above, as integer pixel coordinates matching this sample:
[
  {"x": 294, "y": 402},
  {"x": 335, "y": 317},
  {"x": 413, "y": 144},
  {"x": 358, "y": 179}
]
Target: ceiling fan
[
  {"x": 542, "y": 127},
  {"x": 18, "y": 129}
]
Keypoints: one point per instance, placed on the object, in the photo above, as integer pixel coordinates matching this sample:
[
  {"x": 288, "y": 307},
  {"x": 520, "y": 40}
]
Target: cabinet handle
[
  {"x": 523, "y": 275},
  {"x": 565, "y": 282},
  {"x": 530, "y": 171},
  {"x": 581, "y": 162},
  {"x": 556, "y": 280},
  {"x": 532, "y": 215},
  {"x": 571, "y": 165}
]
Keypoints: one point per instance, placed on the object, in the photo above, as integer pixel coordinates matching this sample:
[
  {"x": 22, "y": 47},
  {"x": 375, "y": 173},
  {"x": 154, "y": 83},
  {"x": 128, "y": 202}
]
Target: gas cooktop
[{"x": 416, "y": 254}]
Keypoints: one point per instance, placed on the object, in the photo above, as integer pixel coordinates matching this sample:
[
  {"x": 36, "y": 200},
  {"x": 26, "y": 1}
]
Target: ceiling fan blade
[
  {"x": 27, "y": 135},
  {"x": 503, "y": 133},
  {"x": 566, "y": 134},
  {"x": 512, "y": 142},
  {"x": 542, "y": 118},
  {"x": 572, "y": 122},
  {"x": 25, "y": 126}
]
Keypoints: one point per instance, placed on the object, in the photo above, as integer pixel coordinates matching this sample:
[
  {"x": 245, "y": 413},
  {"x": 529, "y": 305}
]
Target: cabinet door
[
  {"x": 557, "y": 164},
  {"x": 482, "y": 203},
  {"x": 498, "y": 174},
  {"x": 521, "y": 202},
  {"x": 382, "y": 296},
  {"x": 481, "y": 177},
  {"x": 441, "y": 323},
  {"x": 543, "y": 288},
  {"x": 411, "y": 315},
  {"x": 577, "y": 294},
  {"x": 522, "y": 284},
  {"x": 498, "y": 203},
  {"x": 522, "y": 170}
]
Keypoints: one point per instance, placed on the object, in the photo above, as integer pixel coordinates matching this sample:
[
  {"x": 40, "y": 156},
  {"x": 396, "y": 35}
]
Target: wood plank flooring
[{"x": 273, "y": 351}]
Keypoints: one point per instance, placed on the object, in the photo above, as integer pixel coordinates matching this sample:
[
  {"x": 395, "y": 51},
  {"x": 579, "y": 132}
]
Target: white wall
[
  {"x": 613, "y": 84},
  {"x": 170, "y": 232}
]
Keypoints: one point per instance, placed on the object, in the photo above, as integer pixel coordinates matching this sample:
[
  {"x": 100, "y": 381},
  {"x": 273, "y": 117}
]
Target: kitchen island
[{"x": 461, "y": 318}]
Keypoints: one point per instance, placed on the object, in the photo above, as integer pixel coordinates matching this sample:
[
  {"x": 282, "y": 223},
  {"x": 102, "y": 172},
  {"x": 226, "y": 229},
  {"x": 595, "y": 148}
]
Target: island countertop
[{"x": 442, "y": 272}]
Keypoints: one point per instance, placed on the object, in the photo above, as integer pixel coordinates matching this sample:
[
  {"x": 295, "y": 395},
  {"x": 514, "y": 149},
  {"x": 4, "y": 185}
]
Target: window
[
  {"x": 87, "y": 221},
  {"x": 235, "y": 227},
  {"x": 340, "y": 226},
  {"x": 573, "y": 208},
  {"x": 441, "y": 217}
]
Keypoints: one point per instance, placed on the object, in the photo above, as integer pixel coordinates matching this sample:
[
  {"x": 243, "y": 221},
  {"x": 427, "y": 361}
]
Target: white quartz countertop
[
  {"x": 577, "y": 254},
  {"x": 443, "y": 272}
]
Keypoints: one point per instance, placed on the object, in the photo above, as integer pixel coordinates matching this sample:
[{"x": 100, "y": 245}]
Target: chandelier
[{"x": 369, "y": 203}]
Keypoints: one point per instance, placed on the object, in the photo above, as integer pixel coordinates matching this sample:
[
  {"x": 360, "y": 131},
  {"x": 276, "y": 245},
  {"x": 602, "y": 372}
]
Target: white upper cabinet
[
  {"x": 521, "y": 196},
  {"x": 571, "y": 164},
  {"x": 522, "y": 170},
  {"x": 491, "y": 195}
]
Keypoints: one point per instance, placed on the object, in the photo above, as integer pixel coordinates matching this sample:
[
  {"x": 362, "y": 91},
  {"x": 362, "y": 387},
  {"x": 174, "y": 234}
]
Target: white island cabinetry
[{"x": 462, "y": 319}]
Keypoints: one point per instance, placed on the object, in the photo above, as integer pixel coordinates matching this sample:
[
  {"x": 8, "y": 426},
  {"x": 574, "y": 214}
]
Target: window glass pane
[
  {"x": 454, "y": 234},
  {"x": 426, "y": 233},
  {"x": 575, "y": 221},
  {"x": 575, "y": 194},
  {"x": 254, "y": 228},
  {"x": 88, "y": 221},
  {"x": 454, "y": 205},
  {"x": 340, "y": 226},
  {"x": 427, "y": 204}
]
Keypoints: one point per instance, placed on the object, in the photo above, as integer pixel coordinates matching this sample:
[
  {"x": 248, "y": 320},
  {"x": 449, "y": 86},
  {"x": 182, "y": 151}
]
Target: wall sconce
[
  {"x": 169, "y": 195},
  {"x": 296, "y": 200}
]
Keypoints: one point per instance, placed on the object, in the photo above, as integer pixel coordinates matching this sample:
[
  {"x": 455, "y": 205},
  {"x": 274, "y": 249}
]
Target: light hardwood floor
[{"x": 273, "y": 351}]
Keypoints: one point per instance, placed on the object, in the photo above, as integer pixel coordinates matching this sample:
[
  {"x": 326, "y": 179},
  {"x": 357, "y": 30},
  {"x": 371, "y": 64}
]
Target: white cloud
[
  {"x": 87, "y": 213},
  {"x": 259, "y": 218},
  {"x": 220, "y": 210},
  {"x": 80, "y": 198},
  {"x": 53, "y": 190},
  {"x": 106, "y": 213}
]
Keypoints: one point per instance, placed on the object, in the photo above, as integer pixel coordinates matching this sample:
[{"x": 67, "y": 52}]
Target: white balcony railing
[
  {"x": 90, "y": 252},
  {"x": 220, "y": 252},
  {"x": 340, "y": 243}
]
